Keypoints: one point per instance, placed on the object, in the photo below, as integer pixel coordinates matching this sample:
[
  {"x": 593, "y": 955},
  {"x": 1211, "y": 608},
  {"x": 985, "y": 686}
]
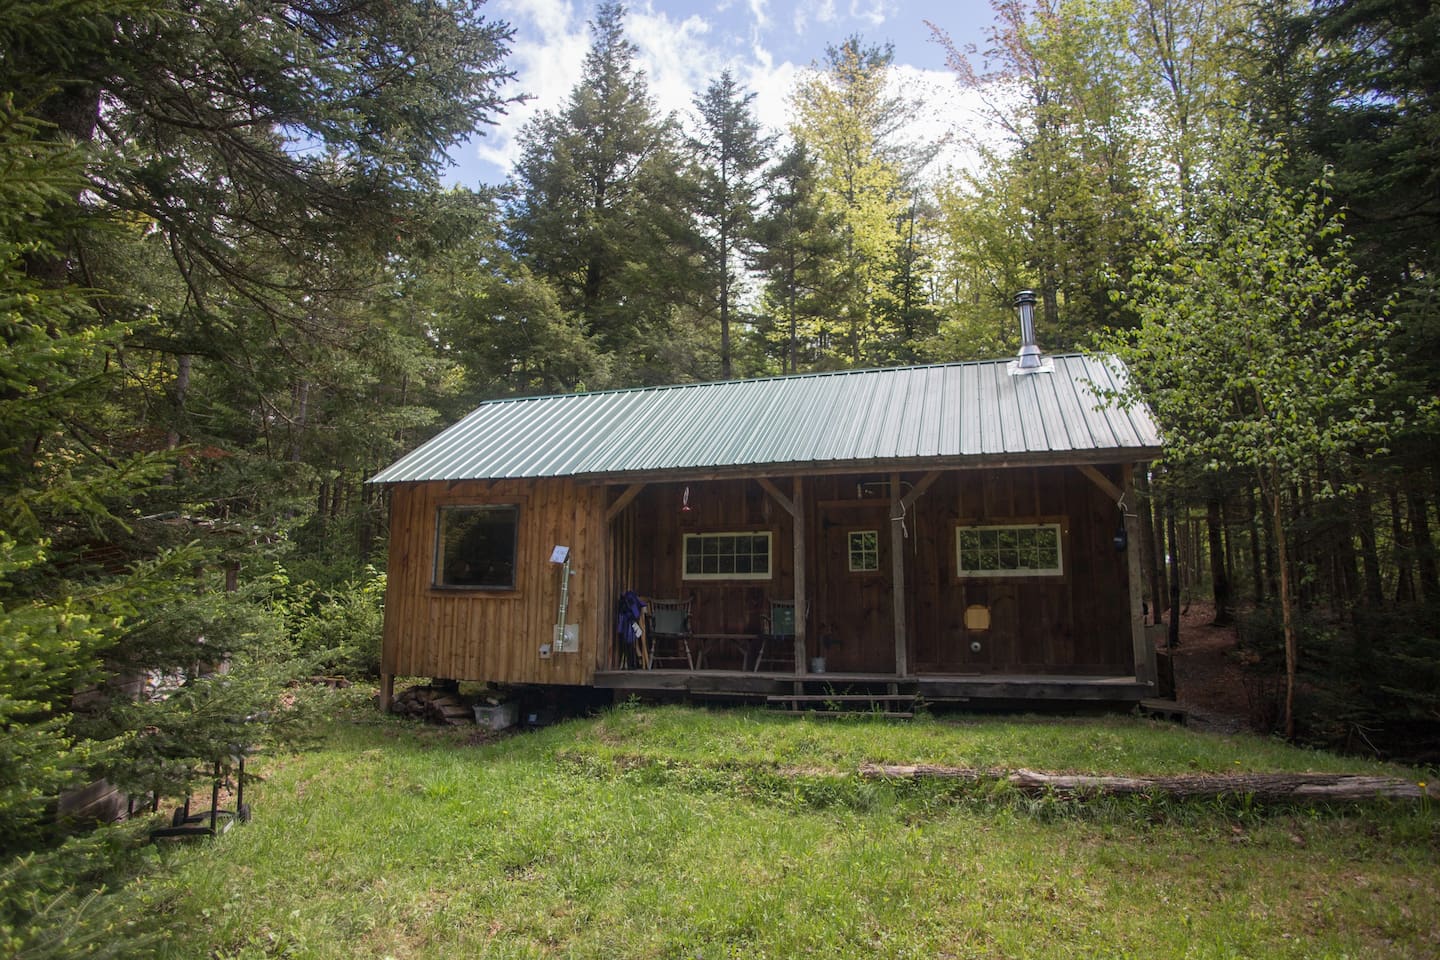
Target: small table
[{"x": 744, "y": 643}]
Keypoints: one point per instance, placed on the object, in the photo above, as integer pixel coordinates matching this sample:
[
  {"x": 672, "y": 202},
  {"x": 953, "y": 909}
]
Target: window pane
[
  {"x": 998, "y": 550},
  {"x": 737, "y": 555},
  {"x": 476, "y": 547}
]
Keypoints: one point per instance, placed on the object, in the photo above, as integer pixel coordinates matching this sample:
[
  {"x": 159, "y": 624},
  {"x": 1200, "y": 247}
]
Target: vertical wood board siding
[{"x": 487, "y": 635}]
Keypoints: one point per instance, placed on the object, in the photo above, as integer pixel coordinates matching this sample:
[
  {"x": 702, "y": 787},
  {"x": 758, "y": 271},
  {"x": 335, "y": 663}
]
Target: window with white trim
[
  {"x": 864, "y": 551},
  {"x": 740, "y": 555},
  {"x": 475, "y": 546},
  {"x": 1009, "y": 550}
]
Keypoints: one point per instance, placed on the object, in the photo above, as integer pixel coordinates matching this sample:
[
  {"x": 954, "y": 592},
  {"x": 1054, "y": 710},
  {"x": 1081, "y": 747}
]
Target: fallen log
[{"x": 1269, "y": 787}]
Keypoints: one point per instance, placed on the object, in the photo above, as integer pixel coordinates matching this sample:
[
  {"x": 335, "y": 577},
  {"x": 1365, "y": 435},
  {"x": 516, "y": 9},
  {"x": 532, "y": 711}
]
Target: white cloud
[
  {"x": 680, "y": 57},
  {"x": 760, "y": 14},
  {"x": 816, "y": 11},
  {"x": 873, "y": 12}
]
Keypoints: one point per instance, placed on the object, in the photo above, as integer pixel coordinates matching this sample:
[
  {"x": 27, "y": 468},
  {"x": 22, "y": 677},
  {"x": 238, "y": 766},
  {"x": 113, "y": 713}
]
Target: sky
[{"x": 684, "y": 44}]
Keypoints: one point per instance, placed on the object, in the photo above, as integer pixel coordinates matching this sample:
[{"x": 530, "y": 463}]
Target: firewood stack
[{"x": 433, "y": 705}]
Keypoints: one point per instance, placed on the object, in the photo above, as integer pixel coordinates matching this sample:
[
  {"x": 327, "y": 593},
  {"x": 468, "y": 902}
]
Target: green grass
[{"x": 670, "y": 833}]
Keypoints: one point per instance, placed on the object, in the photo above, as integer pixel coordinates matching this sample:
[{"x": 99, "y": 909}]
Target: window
[
  {"x": 475, "y": 547},
  {"x": 864, "y": 551},
  {"x": 1031, "y": 550},
  {"x": 728, "y": 556}
]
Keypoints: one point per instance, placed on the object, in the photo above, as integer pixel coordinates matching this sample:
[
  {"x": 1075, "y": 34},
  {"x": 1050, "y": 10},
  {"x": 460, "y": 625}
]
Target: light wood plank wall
[{"x": 496, "y": 636}]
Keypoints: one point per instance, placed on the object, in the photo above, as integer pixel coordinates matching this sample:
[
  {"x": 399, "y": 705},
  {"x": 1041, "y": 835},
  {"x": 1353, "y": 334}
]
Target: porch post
[
  {"x": 797, "y": 527},
  {"x": 897, "y": 574},
  {"x": 1144, "y": 650}
]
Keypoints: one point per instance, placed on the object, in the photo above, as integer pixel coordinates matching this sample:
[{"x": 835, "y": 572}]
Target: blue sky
[{"x": 683, "y": 44}]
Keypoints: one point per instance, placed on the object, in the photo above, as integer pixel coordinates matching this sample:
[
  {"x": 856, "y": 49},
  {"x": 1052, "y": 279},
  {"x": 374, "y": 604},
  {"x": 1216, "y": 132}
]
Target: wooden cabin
[{"x": 959, "y": 531}]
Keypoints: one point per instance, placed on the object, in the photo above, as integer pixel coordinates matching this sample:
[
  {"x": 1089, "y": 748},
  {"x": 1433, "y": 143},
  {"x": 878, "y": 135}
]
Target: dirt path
[{"x": 1209, "y": 681}]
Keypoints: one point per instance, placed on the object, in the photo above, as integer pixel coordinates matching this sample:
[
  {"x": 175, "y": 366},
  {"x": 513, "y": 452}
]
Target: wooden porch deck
[{"x": 956, "y": 688}]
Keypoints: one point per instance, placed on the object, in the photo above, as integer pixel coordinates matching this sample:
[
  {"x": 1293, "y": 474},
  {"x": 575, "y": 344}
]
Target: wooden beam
[
  {"x": 1145, "y": 670},
  {"x": 917, "y": 491},
  {"x": 1068, "y": 458},
  {"x": 1101, "y": 481},
  {"x": 623, "y": 501},
  {"x": 897, "y": 572},
  {"x": 797, "y": 527},
  {"x": 769, "y": 487}
]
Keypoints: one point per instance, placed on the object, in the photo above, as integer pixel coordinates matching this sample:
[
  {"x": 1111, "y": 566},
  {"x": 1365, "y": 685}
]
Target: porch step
[{"x": 899, "y": 706}]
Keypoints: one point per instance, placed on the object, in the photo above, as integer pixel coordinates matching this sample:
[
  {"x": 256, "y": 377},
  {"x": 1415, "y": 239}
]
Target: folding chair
[{"x": 669, "y": 631}]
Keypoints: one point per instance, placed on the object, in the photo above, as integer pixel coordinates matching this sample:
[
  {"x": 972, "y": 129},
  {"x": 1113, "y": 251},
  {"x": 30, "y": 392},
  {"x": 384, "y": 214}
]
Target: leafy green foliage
[
  {"x": 847, "y": 119},
  {"x": 1258, "y": 350},
  {"x": 342, "y": 634}
]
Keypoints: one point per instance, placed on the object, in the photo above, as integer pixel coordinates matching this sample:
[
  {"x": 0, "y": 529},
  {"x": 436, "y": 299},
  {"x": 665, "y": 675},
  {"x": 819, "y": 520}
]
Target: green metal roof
[{"x": 899, "y": 417}]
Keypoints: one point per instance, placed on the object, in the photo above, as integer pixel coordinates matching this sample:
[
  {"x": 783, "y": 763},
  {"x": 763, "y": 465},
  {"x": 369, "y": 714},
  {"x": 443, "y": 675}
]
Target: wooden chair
[
  {"x": 668, "y": 626},
  {"x": 777, "y": 638}
]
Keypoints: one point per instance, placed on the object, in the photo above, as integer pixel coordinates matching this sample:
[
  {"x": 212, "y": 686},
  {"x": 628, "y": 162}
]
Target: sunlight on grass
[{"x": 671, "y": 832}]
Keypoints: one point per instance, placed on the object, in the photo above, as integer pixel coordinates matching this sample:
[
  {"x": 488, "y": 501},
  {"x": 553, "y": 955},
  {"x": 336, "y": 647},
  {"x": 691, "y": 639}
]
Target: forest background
[{"x": 233, "y": 287}]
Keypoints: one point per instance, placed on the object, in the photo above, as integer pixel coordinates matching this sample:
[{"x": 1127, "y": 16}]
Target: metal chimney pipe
[{"x": 1029, "y": 352}]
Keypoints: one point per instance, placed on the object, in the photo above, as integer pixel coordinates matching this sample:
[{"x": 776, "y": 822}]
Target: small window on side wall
[
  {"x": 1009, "y": 550},
  {"x": 864, "y": 551},
  {"x": 475, "y": 547}
]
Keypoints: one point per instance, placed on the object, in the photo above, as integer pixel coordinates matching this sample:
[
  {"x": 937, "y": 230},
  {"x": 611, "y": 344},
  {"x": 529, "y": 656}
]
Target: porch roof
[{"x": 955, "y": 414}]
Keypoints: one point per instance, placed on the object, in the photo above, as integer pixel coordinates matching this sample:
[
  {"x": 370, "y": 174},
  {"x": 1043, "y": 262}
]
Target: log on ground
[{"x": 1269, "y": 787}]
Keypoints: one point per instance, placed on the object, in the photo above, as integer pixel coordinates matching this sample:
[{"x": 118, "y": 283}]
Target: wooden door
[{"x": 853, "y": 625}]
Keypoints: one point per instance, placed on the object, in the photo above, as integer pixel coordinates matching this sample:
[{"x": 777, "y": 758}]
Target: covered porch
[{"x": 887, "y": 584}]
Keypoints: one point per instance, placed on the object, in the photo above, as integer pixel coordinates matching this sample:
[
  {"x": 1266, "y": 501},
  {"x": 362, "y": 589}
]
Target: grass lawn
[{"x": 675, "y": 832}]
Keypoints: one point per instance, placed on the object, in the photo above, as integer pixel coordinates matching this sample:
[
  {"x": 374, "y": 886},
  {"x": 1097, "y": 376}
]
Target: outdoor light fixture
[
  {"x": 1029, "y": 352},
  {"x": 685, "y": 501}
]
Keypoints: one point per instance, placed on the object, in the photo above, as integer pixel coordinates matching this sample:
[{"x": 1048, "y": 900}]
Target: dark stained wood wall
[
  {"x": 489, "y": 635},
  {"x": 1078, "y": 623},
  {"x": 721, "y": 606}
]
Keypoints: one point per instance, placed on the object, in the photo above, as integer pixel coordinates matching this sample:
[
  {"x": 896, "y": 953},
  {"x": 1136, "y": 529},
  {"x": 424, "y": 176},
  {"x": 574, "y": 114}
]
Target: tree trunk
[
  {"x": 1149, "y": 551},
  {"x": 725, "y": 365},
  {"x": 302, "y": 412},
  {"x": 1286, "y": 617},
  {"x": 1257, "y": 564},
  {"x": 1219, "y": 577},
  {"x": 181, "y": 390},
  {"x": 1420, "y": 541},
  {"x": 1172, "y": 637},
  {"x": 1404, "y": 558},
  {"x": 365, "y": 535},
  {"x": 1369, "y": 554}
]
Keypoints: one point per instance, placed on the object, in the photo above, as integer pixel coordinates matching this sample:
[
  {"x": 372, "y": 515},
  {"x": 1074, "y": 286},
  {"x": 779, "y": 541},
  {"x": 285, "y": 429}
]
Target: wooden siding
[
  {"x": 488, "y": 635},
  {"x": 1077, "y": 623},
  {"x": 721, "y": 606}
]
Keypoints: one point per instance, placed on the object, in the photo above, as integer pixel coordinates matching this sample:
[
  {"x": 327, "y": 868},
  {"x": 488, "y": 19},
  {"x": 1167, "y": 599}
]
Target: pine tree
[
  {"x": 601, "y": 211},
  {"x": 799, "y": 242},
  {"x": 730, "y": 152}
]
